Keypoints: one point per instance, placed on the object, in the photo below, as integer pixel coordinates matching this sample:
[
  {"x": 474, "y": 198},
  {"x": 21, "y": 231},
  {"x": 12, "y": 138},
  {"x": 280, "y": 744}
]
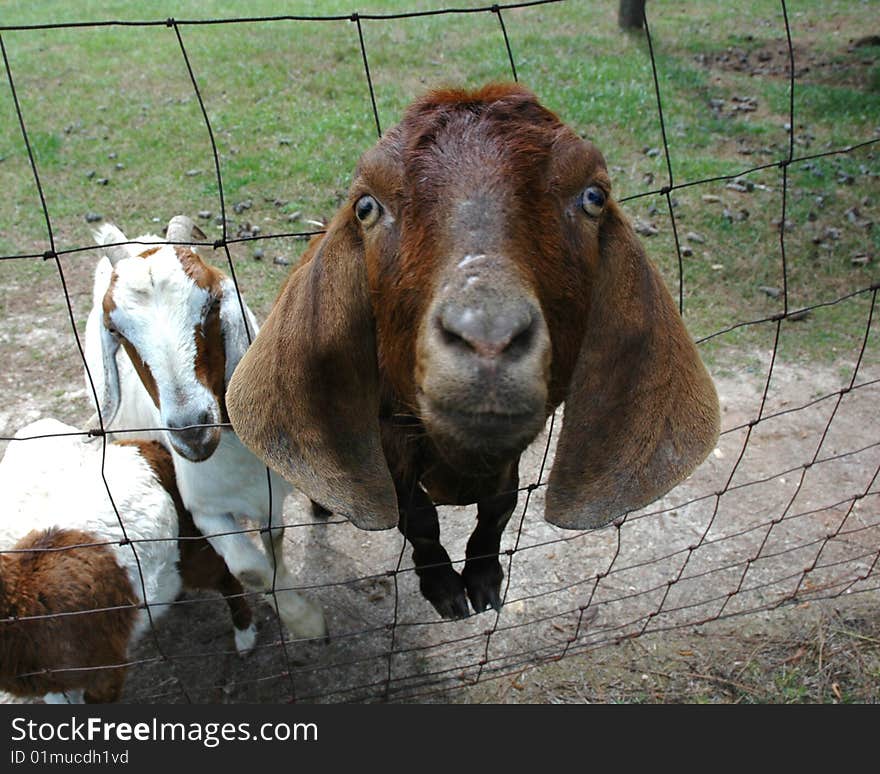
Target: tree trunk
[{"x": 631, "y": 14}]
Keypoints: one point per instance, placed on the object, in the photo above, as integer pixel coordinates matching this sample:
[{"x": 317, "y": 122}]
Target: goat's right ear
[
  {"x": 111, "y": 397},
  {"x": 305, "y": 396}
]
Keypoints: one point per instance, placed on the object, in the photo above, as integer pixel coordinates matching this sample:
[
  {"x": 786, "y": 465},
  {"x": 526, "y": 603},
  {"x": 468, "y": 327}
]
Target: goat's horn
[{"x": 180, "y": 229}]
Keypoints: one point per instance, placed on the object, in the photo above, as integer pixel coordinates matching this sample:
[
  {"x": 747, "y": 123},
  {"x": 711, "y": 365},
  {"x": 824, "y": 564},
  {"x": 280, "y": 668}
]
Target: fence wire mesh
[{"x": 783, "y": 513}]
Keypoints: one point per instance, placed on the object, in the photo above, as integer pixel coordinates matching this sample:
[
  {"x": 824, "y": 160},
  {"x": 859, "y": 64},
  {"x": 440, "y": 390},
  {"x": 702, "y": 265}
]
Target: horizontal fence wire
[{"x": 755, "y": 540}]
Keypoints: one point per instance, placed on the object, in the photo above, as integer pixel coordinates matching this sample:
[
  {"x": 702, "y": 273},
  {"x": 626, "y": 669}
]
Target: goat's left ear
[
  {"x": 236, "y": 339},
  {"x": 641, "y": 411}
]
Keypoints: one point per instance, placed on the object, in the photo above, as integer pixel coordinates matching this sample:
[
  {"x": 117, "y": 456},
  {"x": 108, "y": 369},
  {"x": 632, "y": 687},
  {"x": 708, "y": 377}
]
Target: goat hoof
[
  {"x": 303, "y": 619},
  {"x": 245, "y": 639},
  {"x": 445, "y": 590},
  {"x": 483, "y": 582}
]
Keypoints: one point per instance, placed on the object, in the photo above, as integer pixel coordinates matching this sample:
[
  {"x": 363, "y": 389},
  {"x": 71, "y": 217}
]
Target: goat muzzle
[
  {"x": 194, "y": 438},
  {"x": 484, "y": 359}
]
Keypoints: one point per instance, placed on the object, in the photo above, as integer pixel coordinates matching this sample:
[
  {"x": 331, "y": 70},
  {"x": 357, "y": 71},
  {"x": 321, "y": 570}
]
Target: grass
[{"x": 116, "y": 130}]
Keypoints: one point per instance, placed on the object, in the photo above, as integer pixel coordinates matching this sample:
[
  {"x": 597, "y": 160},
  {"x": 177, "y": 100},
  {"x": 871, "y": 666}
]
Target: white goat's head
[{"x": 181, "y": 325}]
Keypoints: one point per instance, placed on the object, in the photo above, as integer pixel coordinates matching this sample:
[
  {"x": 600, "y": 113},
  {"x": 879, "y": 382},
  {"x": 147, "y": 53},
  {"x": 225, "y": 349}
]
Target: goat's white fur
[{"x": 159, "y": 306}]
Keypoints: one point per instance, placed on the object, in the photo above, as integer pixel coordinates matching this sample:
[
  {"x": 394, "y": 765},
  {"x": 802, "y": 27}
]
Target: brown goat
[{"x": 478, "y": 276}]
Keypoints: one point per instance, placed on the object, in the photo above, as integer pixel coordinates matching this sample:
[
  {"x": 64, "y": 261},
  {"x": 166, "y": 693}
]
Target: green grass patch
[{"x": 116, "y": 130}]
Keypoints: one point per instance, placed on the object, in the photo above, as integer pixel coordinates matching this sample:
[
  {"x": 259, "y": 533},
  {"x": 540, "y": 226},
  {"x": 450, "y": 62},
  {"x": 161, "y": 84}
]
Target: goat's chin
[
  {"x": 194, "y": 446},
  {"x": 468, "y": 437}
]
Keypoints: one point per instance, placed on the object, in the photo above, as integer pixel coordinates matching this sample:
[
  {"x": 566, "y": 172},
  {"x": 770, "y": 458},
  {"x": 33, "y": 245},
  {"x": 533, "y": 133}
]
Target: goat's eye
[
  {"x": 593, "y": 200},
  {"x": 367, "y": 210}
]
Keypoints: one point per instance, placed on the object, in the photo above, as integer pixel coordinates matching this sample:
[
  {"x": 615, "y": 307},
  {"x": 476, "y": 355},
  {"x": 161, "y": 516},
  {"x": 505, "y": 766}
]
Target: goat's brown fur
[
  {"x": 35, "y": 653},
  {"x": 342, "y": 366}
]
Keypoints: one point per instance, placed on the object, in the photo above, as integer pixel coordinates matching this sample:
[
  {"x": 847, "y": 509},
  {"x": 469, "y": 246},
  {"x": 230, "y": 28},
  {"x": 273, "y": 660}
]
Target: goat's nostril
[
  {"x": 506, "y": 332},
  {"x": 192, "y": 424}
]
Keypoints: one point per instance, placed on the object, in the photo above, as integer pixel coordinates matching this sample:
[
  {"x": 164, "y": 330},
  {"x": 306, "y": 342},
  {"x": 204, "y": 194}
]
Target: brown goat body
[{"x": 70, "y": 592}]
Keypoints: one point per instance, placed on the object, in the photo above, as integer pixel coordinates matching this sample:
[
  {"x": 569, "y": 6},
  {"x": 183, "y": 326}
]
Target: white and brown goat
[
  {"x": 75, "y": 572},
  {"x": 479, "y": 275},
  {"x": 165, "y": 333}
]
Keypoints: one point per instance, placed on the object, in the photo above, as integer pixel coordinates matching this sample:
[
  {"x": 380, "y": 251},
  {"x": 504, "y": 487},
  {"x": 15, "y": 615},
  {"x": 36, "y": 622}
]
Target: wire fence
[{"x": 785, "y": 512}]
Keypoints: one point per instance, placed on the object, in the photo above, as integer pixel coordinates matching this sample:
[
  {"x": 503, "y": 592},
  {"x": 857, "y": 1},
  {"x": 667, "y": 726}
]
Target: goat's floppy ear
[
  {"x": 641, "y": 412},
  {"x": 305, "y": 397},
  {"x": 111, "y": 397},
  {"x": 237, "y": 333}
]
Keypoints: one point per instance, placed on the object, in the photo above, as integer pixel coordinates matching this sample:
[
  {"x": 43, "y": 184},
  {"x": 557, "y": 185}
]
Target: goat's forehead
[
  {"x": 473, "y": 144},
  {"x": 159, "y": 276}
]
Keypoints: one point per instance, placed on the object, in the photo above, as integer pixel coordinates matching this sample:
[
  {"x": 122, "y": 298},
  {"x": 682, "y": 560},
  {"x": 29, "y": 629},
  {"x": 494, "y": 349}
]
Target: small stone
[
  {"x": 102, "y": 181},
  {"x": 652, "y": 152},
  {"x": 205, "y": 214},
  {"x": 711, "y": 198},
  {"x": 831, "y": 233},
  {"x": 687, "y": 251},
  {"x": 771, "y": 291},
  {"x": 90, "y": 174},
  {"x": 280, "y": 260},
  {"x": 693, "y": 236},
  {"x": 285, "y": 141},
  {"x": 789, "y": 224},
  {"x": 258, "y": 254},
  {"x": 93, "y": 217},
  {"x": 294, "y": 216},
  {"x": 120, "y": 166},
  {"x": 803, "y": 314},
  {"x": 646, "y": 229},
  {"x": 111, "y": 156},
  {"x": 860, "y": 259},
  {"x": 193, "y": 172}
]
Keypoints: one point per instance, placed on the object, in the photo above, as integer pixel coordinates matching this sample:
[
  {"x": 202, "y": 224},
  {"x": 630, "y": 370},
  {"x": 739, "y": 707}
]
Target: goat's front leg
[
  {"x": 482, "y": 570},
  {"x": 255, "y": 571},
  {"x": 201, "y": 567},
  {"x": 440, "y": 584},
  {"x": 302, "y": 617}
]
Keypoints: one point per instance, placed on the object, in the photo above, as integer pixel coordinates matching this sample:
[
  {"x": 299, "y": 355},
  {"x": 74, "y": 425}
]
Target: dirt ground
[{"x": 754, "y": 580}]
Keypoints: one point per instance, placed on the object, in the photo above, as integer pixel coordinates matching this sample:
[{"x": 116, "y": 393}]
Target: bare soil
[{"x": 849, "y": 65}]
